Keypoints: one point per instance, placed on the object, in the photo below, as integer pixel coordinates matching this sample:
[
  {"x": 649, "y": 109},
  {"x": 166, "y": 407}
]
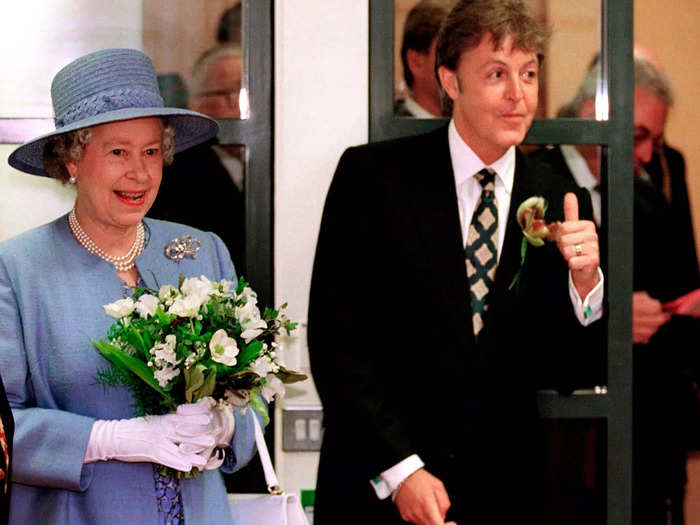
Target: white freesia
[
  {"x": 199, "y": 349},
  {"x": 120, "y": 308},
  {"x": 167, "y": 294},
  {"x": 225, "y": 287},
  {"x": 249, "y": 317},
  {"x": 223, "y": 348},
  {"x": 165, "y": 375},
  {"x": 146, "y": 305},
  {"x": 185, "y": 306},
  {"x": 200, "y": 288},
  {"x": 249, "y": 295},
  {"x": 164, "y": 353},
  {"x": 263, "y": 365},
  {"x": 252, "y": 329},
  {"x": 273, "y": 388}
]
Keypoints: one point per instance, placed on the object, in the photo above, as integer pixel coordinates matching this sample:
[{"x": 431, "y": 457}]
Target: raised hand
[{"x": 577, "y": 241}]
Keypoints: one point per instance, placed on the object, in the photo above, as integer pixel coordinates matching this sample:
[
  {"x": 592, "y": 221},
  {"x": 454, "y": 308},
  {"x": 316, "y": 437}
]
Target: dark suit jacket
[
  {"x": 666, "y": 415},
  {"x": 390, "y": 336},
  {"x": 197, "y": 190}
]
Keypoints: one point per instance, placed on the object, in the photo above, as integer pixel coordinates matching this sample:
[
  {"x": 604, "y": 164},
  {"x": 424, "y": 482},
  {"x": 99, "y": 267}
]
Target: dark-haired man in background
[
  {"x": 418, "y": 59},
  {"x": 425, "y": 351}
]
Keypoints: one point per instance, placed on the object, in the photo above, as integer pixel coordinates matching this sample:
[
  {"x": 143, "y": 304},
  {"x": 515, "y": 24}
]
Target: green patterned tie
[{"x": 481, "y": 252}]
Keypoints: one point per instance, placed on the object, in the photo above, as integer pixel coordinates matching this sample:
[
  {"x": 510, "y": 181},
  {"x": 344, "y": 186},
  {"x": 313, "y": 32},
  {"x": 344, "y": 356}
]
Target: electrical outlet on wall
[{"x": 302, "y": 428}]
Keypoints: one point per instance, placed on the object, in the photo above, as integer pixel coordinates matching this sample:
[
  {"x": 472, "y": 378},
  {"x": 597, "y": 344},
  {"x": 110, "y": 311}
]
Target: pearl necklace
[{"x": 122, "y": 263}]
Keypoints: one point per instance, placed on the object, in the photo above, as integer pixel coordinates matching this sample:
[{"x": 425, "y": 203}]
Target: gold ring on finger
[{"x": 579, "y": 249}]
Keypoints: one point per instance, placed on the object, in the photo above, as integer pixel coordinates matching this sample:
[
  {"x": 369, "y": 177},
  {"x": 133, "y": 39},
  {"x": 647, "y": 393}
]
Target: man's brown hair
[
  {"x": 422, "y": 25},
  {"x": 470, "y": 20}
]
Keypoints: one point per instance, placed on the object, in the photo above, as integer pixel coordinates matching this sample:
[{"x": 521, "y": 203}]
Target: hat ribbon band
[{"x": 106, "y": 101}]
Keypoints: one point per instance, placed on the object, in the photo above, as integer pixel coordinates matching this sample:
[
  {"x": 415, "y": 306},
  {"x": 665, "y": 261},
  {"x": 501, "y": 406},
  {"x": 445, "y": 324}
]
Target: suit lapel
[
  {"x": 524, "y": 186},
  {"x": 436, "y": 213}
]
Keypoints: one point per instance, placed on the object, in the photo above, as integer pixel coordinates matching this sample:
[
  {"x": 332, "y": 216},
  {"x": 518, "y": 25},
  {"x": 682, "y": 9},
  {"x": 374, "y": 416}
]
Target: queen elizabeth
[{"x": 80, "y": 455}]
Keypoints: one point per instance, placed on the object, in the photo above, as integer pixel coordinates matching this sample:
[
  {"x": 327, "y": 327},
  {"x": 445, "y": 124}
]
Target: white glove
[
  {"x": 221, "y": 428},
  {"x": 181, "y": 440}
]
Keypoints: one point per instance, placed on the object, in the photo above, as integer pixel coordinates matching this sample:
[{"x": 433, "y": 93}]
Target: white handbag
[{"x": 275, "y": 508}]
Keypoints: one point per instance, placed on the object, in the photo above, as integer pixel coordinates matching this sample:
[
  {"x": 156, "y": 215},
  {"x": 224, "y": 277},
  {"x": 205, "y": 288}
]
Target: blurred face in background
[
  {"x": 650, "y": 113},
  {"x": 217, "y": 94}
]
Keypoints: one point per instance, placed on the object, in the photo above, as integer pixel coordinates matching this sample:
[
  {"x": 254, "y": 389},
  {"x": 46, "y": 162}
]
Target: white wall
[
  {"x": 321, "y": 108},
  {"x": 38, "y": 38}
]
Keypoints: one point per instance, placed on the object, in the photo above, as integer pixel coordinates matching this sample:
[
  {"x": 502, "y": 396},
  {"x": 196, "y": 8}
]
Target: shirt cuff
[
  {"x": 591, "y": 308},
  {"x": 390, "y": 480}
]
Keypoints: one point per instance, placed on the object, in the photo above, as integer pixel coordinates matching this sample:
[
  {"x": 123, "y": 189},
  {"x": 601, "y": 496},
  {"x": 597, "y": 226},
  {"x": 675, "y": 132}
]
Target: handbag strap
[{"x": 273, "y": 484}]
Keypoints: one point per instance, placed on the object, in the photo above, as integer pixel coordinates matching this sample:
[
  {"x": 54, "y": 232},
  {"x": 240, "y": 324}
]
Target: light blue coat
[{"x": 51, "y": 296}]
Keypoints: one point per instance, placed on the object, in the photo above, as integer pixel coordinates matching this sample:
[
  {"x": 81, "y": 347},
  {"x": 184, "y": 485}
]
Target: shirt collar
[
  {"x": 466, "y": 163},
  {"x": 578, "y": 167},
  {"x": 415, "y": 109}
]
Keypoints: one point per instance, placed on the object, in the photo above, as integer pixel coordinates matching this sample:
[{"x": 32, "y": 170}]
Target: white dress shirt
[
  {"x": 466, "y": 164},
  {"x": 584, "y": 178},
  {"x": 415, "y": 109}
]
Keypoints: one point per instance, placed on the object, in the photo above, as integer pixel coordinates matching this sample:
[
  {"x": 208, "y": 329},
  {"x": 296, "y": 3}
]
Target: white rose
[
  {"x": 274, "y": 387},
  {"x": 120, "y": 308},
  {"x": 223, "y": 348},
  {"x": 185, "y": 306},
  {"x": 201, "y": 288},
  {"x": 146, "y": 305}
]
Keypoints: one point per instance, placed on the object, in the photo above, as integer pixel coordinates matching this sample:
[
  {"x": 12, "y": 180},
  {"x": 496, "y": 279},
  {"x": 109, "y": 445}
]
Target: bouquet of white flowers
[{"x": 179, "y": 345}]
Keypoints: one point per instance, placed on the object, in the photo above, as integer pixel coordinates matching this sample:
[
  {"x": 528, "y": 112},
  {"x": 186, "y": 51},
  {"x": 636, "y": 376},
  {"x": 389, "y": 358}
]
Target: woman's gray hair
[
  {"x": 69, "y": 147},
  {"x": 645, "y": 76}
]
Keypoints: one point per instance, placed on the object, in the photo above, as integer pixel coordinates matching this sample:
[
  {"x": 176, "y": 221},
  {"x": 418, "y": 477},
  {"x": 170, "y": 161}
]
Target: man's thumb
[{"x": 570, "y": 207}]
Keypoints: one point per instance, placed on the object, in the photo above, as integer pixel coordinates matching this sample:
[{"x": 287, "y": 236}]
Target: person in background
[
  {"x": 427, "y": 337},
  {"x": 666, "y": 361},
  {"x": 418, "y": 59},
  {"x": 81, "y": 455},
  {"x": 215, "y": 85},
  {"x": 230, "y": 27},
  {"x": 211, "y": 172}
]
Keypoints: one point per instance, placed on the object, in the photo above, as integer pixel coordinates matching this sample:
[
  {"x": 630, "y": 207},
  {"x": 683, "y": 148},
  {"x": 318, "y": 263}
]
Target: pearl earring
[{"x": 71, "y": 180}]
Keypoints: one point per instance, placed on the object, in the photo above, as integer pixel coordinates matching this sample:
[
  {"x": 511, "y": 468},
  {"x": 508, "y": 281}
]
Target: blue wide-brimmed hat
[{"x": 108, "y": 86}]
